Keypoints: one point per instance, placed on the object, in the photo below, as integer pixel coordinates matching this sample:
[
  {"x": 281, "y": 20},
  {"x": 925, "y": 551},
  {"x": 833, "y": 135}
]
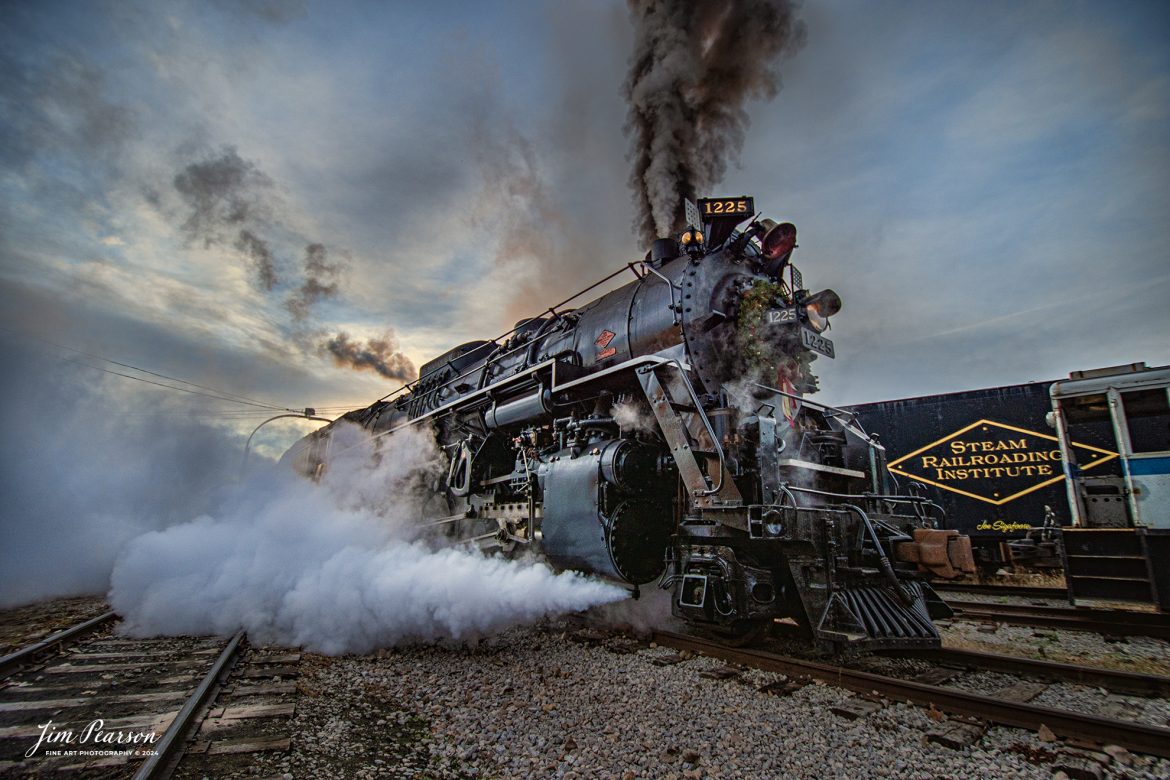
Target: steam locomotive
[{"x": 663, "y": 432}]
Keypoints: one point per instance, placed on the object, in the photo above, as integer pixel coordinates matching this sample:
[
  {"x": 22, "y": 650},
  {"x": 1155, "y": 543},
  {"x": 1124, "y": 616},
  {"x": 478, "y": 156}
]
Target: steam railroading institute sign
[{"x": 994, "y": 462}]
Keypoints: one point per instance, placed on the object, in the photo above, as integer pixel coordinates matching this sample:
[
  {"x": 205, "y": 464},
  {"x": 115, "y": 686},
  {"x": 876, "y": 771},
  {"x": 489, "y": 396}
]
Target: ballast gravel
[{"x": 542, "y": 702}]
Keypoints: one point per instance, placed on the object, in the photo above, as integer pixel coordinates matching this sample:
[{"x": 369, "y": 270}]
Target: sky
[{"x": 261, "y": 196}]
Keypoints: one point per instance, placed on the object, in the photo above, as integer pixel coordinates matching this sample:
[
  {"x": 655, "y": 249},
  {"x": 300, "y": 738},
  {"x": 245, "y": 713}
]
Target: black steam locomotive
[{"x": 661, "y": 432}]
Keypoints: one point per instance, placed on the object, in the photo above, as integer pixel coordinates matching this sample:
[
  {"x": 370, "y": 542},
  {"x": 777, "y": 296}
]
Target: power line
[
  {"x": 213, "y": 393},
  {"x": 222, "y": 395},
  {"x": 185, "y": 390}
]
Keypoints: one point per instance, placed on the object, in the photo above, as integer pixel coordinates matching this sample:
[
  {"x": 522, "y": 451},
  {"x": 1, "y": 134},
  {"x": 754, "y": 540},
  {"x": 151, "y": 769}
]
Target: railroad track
[
  {"x": 999, "y": 709},
  {"x": 1102, "y": 621},
  {"x": 143, "y": 708},
  {"x": 1129, "y": 683},
  {"x": 30, "y": 653},
  {"x": 1027, "y": 591}
]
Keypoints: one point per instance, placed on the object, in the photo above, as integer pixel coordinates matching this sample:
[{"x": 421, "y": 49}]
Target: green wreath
[{"x": 771, "y": 358}]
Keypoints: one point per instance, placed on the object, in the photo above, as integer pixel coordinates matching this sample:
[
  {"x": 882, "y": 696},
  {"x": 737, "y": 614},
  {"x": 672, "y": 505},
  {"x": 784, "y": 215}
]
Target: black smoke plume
[
  {"x": 321, "y": 282},
  {"x": 256, "y": 249},
  {"x": 693, "y": 68},
  {"x": 226, "y": 195},
  {"x": 380, "y": 355}
]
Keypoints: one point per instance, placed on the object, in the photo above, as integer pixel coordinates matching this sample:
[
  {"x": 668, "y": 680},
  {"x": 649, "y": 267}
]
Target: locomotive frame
[{"x": 628, "y": 438}]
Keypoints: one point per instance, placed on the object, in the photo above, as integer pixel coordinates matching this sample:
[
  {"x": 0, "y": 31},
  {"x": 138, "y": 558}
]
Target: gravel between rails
[
  {"x": 21, "y": 626},
  {"x": 533, "y": 702},
  {"x": 1133, "y": 654}
]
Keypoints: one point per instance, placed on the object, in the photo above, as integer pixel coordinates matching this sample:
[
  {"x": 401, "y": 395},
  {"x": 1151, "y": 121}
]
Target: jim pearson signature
[{"x": 93, "y": 734}]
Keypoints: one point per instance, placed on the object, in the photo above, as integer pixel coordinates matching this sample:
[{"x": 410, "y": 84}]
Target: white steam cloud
[
  {"x": 634, "y": 417},
  {"x": 112, "y": 486},
  {"x": 86, "y": 467},
  {"x": 336, "y": 567}
]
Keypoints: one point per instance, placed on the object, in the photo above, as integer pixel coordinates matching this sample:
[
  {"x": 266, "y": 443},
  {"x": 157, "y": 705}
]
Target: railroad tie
[{"x": 955, "y": 734}]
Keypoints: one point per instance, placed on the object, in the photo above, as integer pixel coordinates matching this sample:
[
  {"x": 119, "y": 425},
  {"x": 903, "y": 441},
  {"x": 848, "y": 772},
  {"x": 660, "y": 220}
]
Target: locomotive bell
[
  {"x": 779, "y": 239},
  {"x": 776, "y": 245}
]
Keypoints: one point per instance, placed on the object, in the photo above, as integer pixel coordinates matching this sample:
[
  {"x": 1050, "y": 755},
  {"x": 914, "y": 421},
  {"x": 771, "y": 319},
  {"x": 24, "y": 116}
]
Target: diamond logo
[{"x": 994, "y": 462}]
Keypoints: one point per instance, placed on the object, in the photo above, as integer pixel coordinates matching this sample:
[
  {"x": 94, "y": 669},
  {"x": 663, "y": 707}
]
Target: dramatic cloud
[
  {"x": 693, "y": 68},
  {"x": 470, "y": 171},
  {"x": 58, "y": 105},
  {"x": 274, "y": 11}
]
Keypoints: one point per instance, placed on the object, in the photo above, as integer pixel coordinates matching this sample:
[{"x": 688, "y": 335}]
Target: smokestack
[{"x": 693, "y": 69}]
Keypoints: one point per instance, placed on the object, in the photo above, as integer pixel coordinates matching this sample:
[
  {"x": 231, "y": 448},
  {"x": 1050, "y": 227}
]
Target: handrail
[
  {"x": 483, "y": 391},
  {"x": 706, "y": 424},
  {"x": 674, "y": 306}
]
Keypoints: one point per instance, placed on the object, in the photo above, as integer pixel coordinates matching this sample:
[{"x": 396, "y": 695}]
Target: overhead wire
[
  {"x": 262, "y": 407},
  {"x": 223, "y": 394},
  {"x": 268, "y": 407}
]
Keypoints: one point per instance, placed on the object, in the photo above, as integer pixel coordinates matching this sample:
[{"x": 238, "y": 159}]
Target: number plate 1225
[{"x": 817, "y": 342}]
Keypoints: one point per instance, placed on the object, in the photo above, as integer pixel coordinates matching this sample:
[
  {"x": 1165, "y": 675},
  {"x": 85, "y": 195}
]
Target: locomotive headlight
[
  {"x": 820, "y": 307},
  {"x": 692, "y": 237}
]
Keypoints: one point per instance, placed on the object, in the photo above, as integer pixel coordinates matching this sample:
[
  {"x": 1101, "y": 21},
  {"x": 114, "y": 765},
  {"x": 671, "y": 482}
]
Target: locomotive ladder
[{"x": 671, "y": 395}]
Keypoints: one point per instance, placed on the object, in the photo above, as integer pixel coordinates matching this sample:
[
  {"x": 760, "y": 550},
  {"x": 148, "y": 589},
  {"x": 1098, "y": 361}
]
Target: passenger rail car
[{"x": 1118, "y": 544}]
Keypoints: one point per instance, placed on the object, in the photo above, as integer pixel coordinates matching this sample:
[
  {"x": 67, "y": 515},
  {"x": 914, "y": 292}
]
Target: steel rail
[
  {"x": 1001, "y": 590},
  {"x": 1100, "y": 621},
  {"x": 13, "y": 661},
  {"x": 1154, "y": 740},
  {"x": 1109, "y": 679},
  {"x": 169, "y": 750}
]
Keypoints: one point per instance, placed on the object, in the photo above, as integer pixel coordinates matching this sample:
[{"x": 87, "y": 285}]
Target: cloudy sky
[{"x": 263, "y": 197}]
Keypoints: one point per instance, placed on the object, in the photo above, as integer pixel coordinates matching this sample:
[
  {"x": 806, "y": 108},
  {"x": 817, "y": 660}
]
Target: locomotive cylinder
[
  {"x": 597, "y": 515},
  {"x": 520, "y": 410}
]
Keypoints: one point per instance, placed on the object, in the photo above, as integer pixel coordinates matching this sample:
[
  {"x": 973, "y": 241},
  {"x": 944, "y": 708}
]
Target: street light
[{"x": 308, "y": 413}]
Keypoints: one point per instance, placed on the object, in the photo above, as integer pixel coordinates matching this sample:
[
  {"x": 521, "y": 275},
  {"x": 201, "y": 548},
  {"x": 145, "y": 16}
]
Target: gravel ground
[
  {"x": 22, "y": 626},
  {"x": 1134, "y": 654},
  {"x": 533, "y": 702}
]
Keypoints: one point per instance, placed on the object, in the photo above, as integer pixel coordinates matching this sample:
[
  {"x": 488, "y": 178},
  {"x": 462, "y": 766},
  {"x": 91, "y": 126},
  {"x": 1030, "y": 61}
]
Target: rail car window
[
  {"x": 1147, "y": 415},
  {"x": 1089, "y": 422}
]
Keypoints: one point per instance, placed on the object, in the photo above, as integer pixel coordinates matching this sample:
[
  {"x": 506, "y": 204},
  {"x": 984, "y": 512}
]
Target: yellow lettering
[
  {"x": 957, "y": 447},
  {"x": 928, "y": 461}
]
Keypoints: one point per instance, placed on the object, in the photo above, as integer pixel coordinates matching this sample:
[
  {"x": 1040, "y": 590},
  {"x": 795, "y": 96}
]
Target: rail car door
[
  {"x": 1114, "y": 431},
  {"x": 1126, "y": 412}
]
